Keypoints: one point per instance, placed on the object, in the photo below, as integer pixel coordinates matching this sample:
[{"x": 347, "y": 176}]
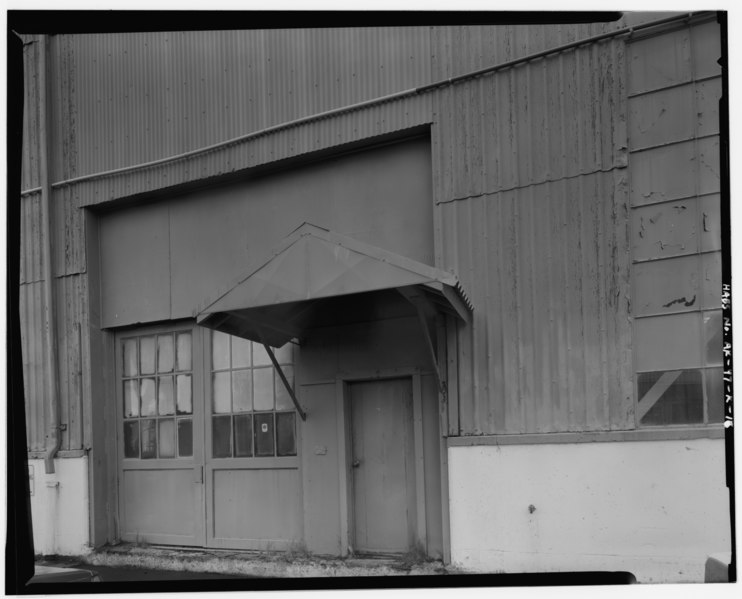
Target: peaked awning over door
[{"x": 275, "y": 302}]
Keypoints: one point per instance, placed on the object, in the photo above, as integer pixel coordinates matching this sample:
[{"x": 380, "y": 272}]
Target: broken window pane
[
  {"x": 185, "y": 437},
  {"x": 165, "y": 353},
  {"x": 712, "y": 326},
  {"x": 219, "y": 350},
  {"x": 167, "y": 438},
  {"x": 165, "y": 398},
  {"x": 184, "y": 351},
  {"x": 131, "y": 439},
  {"x": 242, "y": 390},
  {"x": 131, "y": 399},
  {"x": 264, "y": 434},
  {"x": 147, "y": 355},
  {"x": 222, "y": 402},
  {"x": 240, "y": 353},
  {"x": 149, "y": 439},
  {"x": 147, "y": 393},
  {"x": 263, "y": 388},
  {"x": 221, "y": 431},
  {"x": 671, "y": 397},
  {"x": 130, "y": 357},
  {"x": 715, "y": 394},
  {"x": 185, "y": 405},
  {"x": 243, "y": 436},
  {"x": 283, "y": 399},
  {"x": 286, "y": 433}
]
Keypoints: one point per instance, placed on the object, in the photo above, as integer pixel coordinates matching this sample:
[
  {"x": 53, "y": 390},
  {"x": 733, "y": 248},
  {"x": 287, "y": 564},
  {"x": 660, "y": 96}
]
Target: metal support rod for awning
[
  {"x": 286, "y": 384},
  {"x": 424, "y": 309}
]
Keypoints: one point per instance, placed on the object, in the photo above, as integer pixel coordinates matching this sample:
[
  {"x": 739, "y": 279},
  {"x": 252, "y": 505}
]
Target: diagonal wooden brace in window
[{"x": 285, "y": 381}]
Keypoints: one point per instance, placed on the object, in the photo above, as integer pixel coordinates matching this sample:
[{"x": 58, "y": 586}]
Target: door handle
[{"x": 356, "y": 463}]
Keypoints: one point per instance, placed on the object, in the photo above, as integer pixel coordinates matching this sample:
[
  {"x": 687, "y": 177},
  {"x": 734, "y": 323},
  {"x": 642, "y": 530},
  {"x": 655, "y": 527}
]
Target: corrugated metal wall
[
  {"x": 523, "y": 150},
  {"x": 533, "y": 197}
]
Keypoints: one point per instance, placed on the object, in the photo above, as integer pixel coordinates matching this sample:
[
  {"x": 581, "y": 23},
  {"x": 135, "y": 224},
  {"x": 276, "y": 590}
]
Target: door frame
[
  {"x": 344, "y": 423},
  {"x": 197, "y": 391}
]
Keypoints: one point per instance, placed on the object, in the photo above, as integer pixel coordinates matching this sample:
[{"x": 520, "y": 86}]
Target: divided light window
[
  {"x": 252, "y": 414},
  {"x": 157, "y": 395}
]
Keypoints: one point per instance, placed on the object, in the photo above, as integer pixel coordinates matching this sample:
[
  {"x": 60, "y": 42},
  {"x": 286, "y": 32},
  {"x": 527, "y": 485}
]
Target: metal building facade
[{"x": 539, "y": 172}]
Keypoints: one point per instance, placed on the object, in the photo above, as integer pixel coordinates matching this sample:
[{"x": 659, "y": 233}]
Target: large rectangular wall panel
[{"x": 547, "y": 271}]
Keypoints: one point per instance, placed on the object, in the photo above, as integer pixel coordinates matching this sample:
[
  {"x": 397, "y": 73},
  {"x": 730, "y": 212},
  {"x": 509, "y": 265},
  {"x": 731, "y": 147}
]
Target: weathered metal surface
[
  {"x": 556, "y": 117},
  {"x": 216, "y": 235},
  {"x": 30, "y": 167},
  {"x": 143, "y": 96},
  {"x": 547, "y": 268},
  {"x": 32, "y": 240},
  {"x": 34, "y": 362}
]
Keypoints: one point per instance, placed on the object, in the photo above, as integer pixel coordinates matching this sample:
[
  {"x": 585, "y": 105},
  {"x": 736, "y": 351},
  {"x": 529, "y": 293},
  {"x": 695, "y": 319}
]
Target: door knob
[{"x": 356, "y": 463}]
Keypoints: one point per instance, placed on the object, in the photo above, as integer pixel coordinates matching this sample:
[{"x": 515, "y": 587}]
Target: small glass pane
[
  {"x": 242, "y": 390},
  {"x": 676, "y": 397},
  {"x": 714, "y": 334},
  {"x": 149, "y": 439},
  {"x": 283, "y": 399},
  {"x": 131, "y": 439},
  {"x": 130, "y": 357},
  {"x": 165, "y": 353},
  {"x": 240, "y": 352},
  {"x": 167, "y": 438},
  {"x": 219, "y": 350},
  {"x": 715, "y": 395},
  {"x": 147, "y": 355},
  {"x": 264, "y": 434},
  {"x": 147, "y": 393},
  {"x": 185, "y": 405},
  {"x": 184, "y": 351},
  {"x": 131, "y": 399},
  {"x": 286, "y": 433},
  {"x": 243, "y": 436},
  {"x": 221, "y": 436},
  {"x": 263, "y": 388},
  {"x": 185, "y": 437},
  {"x": 284, "y": 354},
  {"x": 222, "y": 403},
  {"x": 165, "y": 398},
  {"x": 260, "y": 356}
]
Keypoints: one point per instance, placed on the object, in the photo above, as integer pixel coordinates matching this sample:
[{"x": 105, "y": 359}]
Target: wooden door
[
  {"x": 382, "y": 463},
  {"x": 159, "y": 424}
]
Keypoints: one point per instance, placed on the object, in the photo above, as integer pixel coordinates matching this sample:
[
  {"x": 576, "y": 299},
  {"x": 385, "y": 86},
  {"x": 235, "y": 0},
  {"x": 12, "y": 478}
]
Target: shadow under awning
[{"x": 278, "y": 300}]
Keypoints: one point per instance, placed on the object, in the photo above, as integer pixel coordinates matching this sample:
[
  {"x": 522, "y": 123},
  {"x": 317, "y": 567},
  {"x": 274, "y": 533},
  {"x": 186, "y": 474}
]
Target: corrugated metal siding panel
[
  {"x": 34, "y": 362},
  {"x": 30, "y": 178},
  {"x": 72, "y": 327},
  {"x": 69, "y": 232},
  {"x": 553, "y": 118},
  {"x": 32, "y": 239},
  {"x": 385, "y": 118},
  {"x": 547, "y": 269},
  {"x": 144, "y": 96}
]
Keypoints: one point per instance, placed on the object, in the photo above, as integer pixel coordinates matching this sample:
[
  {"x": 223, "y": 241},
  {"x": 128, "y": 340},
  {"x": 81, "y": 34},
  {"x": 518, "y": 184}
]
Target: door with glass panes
[
  {"x": 207, "y": 441},
  {"x": 252, "y": 475},
  {"x": 160, "y": 435}
]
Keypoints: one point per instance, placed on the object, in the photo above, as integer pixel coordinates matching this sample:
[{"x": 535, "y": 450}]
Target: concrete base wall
[
  {"x": 656, "y": 508},
  {"x": 59, "y": 507}
]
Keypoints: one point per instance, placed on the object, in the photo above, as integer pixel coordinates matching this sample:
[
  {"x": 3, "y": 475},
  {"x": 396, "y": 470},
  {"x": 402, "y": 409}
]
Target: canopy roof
[{"x": 275, "y": 301}]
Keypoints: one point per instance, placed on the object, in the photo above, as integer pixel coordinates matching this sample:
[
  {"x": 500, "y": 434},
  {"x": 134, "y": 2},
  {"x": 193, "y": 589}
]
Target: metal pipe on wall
[{"x": 54, "y": 438}]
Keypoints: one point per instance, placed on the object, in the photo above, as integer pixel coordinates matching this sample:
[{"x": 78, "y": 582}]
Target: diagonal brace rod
[{"x": 268, "y": 349}]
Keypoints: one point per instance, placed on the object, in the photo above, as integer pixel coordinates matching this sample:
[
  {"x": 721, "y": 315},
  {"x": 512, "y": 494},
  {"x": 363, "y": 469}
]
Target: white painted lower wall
[
  {"x": 654, "y": 508},
  {"x": 59, "y": 507}
]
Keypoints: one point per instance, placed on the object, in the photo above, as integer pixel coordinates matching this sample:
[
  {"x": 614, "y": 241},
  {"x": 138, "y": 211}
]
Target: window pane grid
[
  {"x": 250, "y": 414},
  {"x": 157, "y": 406}
]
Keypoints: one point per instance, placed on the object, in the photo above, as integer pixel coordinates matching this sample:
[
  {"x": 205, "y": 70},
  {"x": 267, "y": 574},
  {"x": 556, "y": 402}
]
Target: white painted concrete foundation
[
  {"x": 654, "y": 508},
  {"x": 59, "y": 507}
]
